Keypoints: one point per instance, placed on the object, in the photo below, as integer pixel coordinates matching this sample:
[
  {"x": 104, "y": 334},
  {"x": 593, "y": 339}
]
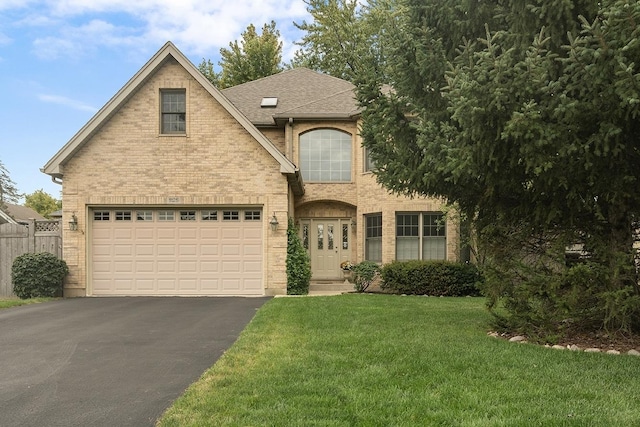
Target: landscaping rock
[
  {"x": 558, "y": 347},
  {"x": 633, "y": 352},
  {"x": 592, "y": 350},
  {"x": 613, "y": 352},
  {"x": 573, "y": 347},
  {"x": 517, "y": 338}
]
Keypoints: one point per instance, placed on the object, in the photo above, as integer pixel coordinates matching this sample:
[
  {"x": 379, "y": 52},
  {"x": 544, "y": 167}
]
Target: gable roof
[
  {"x": 301, "y": 93},
  {"x": 20, "y": 214},
  {"x": 55, "y": 166}
]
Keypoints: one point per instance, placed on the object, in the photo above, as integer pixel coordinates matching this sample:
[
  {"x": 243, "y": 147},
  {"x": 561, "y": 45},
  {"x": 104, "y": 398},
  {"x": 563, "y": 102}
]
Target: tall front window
[
  {"x": 325, "y": 156},
  {"x": 420, "y": 236},
  {"x": 373, "y": 239},
  {"x": 173, "y": 111}
]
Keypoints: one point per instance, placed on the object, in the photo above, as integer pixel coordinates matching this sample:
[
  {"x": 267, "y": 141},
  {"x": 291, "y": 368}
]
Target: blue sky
[{"x": 62, "y": 60}]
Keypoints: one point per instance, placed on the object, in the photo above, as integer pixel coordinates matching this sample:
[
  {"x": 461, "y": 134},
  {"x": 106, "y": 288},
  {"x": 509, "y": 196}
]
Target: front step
[{"x": 329, "y": 288}]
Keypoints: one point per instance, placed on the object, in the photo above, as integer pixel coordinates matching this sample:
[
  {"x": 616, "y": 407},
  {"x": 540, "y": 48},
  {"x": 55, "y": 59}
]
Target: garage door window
[
  {"x": 101, "y": 216},
  {"x": 209, "y": 215},
  {"x": 166, "y": 216},
  {"x": 187, "y": 215},
  {"x": 123, "y": 215},
  {"x": 231, "y": 215},
  {"x": 144, "y": 216},
  {"x": 252, "y": 215}
]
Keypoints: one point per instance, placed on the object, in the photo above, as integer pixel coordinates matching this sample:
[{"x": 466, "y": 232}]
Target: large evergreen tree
[
  {"x": 524, "y": 114},
  {"x": 8, "y": 189},
  {"x": 253, "y": 57}
]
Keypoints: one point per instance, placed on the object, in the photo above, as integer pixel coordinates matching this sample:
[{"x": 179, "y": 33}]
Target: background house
[
  {"x": 18, "y": 214},
  {"x": 174, "y": 185}
]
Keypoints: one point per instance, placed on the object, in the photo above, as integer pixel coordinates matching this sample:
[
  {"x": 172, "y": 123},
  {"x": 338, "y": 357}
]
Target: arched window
[{"x": 325, "y": 156}]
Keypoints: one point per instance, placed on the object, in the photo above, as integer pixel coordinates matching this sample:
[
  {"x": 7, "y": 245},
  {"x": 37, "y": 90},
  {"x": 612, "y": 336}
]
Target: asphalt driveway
[{"x": 110, "y": 361}]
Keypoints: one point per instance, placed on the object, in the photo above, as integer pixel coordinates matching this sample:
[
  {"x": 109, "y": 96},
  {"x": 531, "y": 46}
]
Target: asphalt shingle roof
[{"x": 301, "y": 93}]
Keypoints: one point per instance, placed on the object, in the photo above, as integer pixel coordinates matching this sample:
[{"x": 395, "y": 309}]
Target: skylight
[{"x": 269, "y": 102}]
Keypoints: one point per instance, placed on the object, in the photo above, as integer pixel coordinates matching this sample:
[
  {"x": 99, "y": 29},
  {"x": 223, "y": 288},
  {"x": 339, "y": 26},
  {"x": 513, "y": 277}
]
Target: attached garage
[{"x": 176, "y": 251}]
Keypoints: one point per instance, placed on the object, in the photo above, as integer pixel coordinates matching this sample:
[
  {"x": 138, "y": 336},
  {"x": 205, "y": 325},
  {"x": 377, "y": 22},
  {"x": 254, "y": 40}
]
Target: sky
[{"x": 62, "y": 60}]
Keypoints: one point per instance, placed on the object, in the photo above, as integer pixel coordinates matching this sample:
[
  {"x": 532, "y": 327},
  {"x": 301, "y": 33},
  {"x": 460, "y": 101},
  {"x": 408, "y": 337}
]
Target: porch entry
[{"x": 328, "y": 241}]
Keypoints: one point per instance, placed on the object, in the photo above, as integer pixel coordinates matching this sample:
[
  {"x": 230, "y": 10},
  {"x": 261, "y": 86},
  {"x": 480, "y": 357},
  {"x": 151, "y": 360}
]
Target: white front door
[{"x": 328, "y": 243}]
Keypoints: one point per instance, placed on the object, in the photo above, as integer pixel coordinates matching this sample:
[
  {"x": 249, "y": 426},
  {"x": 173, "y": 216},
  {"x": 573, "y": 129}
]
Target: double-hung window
[
  {"x": 173, "y": 111},
  {"x": 373, "y": 237},
  {"x": 420, "y": 236}
]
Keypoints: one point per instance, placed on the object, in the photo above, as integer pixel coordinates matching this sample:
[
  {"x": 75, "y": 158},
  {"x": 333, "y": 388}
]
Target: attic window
[{"x": 269, "y": 102}]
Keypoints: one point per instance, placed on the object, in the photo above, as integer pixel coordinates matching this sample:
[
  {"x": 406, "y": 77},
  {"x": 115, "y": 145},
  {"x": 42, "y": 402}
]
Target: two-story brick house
[{"x": 175, "y": 187}]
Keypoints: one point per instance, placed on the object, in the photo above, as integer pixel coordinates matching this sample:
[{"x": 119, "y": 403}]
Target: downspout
[{"x": 290, "y": 141}]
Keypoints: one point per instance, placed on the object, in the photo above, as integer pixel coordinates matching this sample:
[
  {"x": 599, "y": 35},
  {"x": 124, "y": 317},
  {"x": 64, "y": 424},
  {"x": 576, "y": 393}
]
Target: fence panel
[{"x": 16, "y": 239}]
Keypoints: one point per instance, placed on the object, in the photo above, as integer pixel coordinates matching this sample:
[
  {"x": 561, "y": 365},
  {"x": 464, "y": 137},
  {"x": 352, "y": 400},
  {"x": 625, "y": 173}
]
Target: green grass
[
  {"x": 380, "y": 360},
  {"x": 15, "y": 302}
]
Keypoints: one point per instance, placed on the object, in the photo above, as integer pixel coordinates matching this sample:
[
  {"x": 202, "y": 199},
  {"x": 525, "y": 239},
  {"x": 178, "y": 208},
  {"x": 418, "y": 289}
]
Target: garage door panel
[
  {"x": 166, "y": 267},
  {"x": 186, "y": 250},
  {"x": 207, "y": 249},
  {"x": 154, "y": 257},
  {"x": 144, "y": 250},
  {"x": 166, "y": 250}
]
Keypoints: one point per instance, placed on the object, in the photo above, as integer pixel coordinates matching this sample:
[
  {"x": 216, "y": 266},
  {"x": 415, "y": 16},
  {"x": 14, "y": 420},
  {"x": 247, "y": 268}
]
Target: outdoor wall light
[
  {"x": 273, "y": 222},
  {"x": 73, "y": 224}
]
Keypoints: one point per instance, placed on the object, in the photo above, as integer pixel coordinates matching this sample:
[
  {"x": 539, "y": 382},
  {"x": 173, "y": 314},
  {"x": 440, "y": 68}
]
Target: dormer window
[{"x": 173, "y": 111}]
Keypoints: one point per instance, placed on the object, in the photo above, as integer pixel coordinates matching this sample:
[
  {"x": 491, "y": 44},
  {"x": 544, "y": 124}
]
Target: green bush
[
  {"x": 435, "y": 278},
  {"x": 38, "y": 275},
  {"x": 364, "y": 274},
  {"x": 298, "y": 263}
]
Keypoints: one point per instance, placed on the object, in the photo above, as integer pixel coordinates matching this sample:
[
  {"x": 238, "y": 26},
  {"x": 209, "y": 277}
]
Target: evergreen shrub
[
  {"x": 38, "y": 275},
  {"x": 434, "y": 278},
  {"x": 298, "y": 263}
]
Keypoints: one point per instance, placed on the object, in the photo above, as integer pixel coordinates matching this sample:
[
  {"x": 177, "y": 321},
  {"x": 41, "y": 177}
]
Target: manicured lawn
[
  {"x": 378, "y": 360},
  {"x": 14, "y": 302}
]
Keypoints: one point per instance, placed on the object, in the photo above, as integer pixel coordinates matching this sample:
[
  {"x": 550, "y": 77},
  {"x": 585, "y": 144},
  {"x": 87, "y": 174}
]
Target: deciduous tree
[
  {"x": 42, "y": 202},
  {"x": 253, "y": 57}
]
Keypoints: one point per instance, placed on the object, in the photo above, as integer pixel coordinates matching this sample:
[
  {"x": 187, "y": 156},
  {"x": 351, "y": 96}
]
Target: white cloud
[
  {"x": 197, "y": 27},
  {"x": 67, "y": 102}
]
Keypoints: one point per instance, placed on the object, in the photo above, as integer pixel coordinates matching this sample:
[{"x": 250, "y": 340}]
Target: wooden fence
[{"x": 15, "y": 240}]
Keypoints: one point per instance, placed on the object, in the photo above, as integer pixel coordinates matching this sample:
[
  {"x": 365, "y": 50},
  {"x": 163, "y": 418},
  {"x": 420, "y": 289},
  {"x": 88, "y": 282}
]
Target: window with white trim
[
  {"x": 173, "y": 111},
  {"x": 420, "y": 235},
  {"x": 373, "y": 237},
  {"x": 325, "y": 156},
  {"x": 369, "y": 164}
]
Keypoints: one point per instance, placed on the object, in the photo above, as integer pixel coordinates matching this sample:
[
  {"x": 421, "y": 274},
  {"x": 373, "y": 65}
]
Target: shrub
[
  {"x": 364, "y": 274},
  {"x": 38, "y": 275},
  {"x": 298, "y": 263},
  {"x": 435, "y": 278}
]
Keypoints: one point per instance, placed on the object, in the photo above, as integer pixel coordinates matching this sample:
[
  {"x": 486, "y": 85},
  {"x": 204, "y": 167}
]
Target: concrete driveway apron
[{"x": 110, "y": 361}]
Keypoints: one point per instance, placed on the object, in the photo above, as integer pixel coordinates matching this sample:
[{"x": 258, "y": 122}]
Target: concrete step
[{"x": 330, "y": 288}]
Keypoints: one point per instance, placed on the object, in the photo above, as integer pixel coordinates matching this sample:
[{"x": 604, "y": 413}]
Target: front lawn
[{"x": 384, "y": 360}]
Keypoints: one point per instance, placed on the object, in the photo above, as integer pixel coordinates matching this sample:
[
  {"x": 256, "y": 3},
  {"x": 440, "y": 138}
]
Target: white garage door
[{"x": 176, "y": 251}]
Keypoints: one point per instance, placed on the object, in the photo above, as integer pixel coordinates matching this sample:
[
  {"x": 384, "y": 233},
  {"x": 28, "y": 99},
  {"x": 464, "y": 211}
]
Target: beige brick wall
[
  {"x": 363, "y": 196},
  {"x": 128, "y": 163}
]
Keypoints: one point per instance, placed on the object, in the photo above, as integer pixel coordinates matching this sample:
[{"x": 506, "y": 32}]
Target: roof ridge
[{"x": 315, "y": 101}]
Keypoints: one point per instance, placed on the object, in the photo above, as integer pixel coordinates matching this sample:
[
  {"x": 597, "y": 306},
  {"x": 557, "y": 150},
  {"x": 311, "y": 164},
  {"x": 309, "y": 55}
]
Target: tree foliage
[
  {"x": 8, "y": 189},
  {"x": 342, "y": 37},
  {"x": 524, "y": 114},
  {"x": 42, "y": 202},
  {"x": 253, "y": 57}
]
